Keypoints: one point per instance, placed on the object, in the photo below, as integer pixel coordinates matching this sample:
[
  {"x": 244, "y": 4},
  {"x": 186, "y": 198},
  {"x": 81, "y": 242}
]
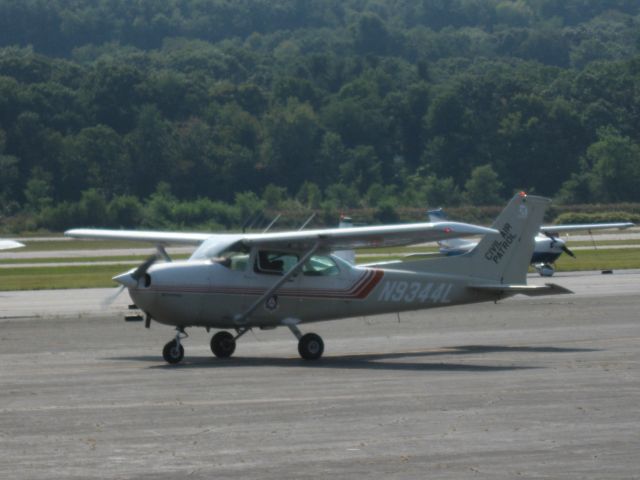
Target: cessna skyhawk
[{"x": 242, "y": 281}]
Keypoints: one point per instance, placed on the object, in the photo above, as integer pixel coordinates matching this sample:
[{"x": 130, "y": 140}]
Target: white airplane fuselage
[{"x": 208, "y": 294}]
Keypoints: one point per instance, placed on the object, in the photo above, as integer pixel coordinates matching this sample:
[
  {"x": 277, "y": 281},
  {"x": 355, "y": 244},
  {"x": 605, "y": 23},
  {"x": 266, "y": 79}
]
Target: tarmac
[{"x": 547, "y": 387}]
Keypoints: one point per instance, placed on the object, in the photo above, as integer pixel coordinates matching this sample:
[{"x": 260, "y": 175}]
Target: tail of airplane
[
  {"x": 347, "y": 255},
  {"x": 506, "y": 256},
  {"x": 502, "y": 258}
]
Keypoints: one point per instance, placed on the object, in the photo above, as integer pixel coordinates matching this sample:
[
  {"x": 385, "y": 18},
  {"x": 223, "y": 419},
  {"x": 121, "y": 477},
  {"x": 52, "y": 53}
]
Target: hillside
[{"x": 186, "y": 113}]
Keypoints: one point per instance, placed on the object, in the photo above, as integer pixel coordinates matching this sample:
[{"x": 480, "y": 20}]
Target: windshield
[{"x": 236, "y": 257}]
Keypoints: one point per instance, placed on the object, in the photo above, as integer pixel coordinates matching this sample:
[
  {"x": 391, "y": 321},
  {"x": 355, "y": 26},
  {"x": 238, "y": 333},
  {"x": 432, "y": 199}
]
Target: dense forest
[{"x": 198, "y": 113}]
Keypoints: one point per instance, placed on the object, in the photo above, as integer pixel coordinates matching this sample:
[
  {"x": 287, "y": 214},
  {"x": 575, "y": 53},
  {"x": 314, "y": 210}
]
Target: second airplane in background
[{"x": 548, "y": 247}]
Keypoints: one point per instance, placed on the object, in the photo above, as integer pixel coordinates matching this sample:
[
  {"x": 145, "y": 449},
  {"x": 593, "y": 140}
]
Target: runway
[{"x": 526, "y": 388}]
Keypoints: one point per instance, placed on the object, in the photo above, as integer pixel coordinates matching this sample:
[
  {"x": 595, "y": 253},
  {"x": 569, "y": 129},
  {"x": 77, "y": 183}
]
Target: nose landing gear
[
  {"x": 173, "y": 352},
  {"x": 544, "y": 269}
]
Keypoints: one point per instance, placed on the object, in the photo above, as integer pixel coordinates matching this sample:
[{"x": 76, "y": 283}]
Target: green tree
[
  {"x": 309, "y": 195},
  {"x": 615, "y": 173},
  {"x": 483, "y": 187},
  {"x": 38, "y": 190},
  {"x": 292, "y": 141},
  {"x": 152, "y": 148}
]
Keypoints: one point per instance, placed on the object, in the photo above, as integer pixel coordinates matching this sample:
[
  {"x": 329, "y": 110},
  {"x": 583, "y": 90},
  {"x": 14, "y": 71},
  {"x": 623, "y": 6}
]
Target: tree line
[{"x": 197, "y": 113}]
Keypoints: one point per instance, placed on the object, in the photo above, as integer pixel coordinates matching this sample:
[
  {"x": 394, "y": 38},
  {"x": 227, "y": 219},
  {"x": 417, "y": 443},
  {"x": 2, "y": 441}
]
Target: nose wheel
[
  {"x": 173, "y": 352},
  {"x": 545, "y": 269}
]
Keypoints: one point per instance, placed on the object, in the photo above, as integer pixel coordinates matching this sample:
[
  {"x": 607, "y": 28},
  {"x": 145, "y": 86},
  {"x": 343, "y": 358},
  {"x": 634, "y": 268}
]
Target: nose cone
[{"x": 126, "y": 279}]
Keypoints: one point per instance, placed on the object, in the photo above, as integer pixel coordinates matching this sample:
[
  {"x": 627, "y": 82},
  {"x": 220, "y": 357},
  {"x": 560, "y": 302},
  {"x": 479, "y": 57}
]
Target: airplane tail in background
[
  {"x": 453, "y": 246},
  {"x": 501, "y": 258},
  {"x": 347, "y": 255}
]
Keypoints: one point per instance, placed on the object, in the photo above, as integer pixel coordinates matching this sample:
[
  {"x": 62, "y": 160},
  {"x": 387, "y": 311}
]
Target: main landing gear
[
  {"x": 310, "y": 345},
  {"x": 223, "y": 344}
]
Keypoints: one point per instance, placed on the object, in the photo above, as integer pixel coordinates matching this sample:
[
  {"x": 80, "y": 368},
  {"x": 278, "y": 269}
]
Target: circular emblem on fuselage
[
  {"x": 272, "y": 303},
  {"x": 523, "y": 212}
]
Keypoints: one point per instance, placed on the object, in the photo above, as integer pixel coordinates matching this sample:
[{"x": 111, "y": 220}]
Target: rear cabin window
[{"x": 320, "y": 266}]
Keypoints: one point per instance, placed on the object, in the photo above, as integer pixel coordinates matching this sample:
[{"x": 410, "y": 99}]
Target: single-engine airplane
[
  {"x": 243, "y": 281},
  {"x": 9, "y": 244},
  {"x": 548, "y": 247}
]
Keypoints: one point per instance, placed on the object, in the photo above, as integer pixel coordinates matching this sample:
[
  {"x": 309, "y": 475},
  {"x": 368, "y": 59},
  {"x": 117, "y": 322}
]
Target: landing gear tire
[
  {"x": 223, "y": 344},
  {"x": 545, "y": 269},
  {"x": 173, "y": 352},
  {"x": 311, "y": 346}
]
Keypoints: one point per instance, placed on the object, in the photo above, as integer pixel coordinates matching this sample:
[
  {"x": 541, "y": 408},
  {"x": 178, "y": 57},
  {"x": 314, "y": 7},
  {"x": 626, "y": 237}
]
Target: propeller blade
[
  {"x": 566, "y": 250},
  {"x": 144, "y": 266},
  {"x": 112, "y": 297}
]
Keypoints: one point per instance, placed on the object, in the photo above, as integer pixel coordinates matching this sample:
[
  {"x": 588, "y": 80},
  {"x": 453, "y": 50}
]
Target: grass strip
[{"x": 46, "y": 278}]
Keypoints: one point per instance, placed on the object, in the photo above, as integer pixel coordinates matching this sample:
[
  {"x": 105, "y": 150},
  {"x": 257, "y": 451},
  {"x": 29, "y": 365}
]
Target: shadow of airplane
[{"x": 369, "y": 361}]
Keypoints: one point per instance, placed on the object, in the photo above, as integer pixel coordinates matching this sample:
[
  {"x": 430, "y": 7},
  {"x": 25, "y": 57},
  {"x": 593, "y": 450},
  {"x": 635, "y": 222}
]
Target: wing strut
[{"x": 241, "y": 318}]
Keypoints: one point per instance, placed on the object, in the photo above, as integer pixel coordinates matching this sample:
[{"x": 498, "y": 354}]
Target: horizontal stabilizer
[{"x": 529, "y": 290}]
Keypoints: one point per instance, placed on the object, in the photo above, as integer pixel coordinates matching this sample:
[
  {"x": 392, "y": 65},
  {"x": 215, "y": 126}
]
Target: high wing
[
  {"x": 9, "y": 244},
  {"x": 325, "y": 239},
  {"x": 160, "y": 238},
  {"x": 367, "y": 237},
  {"x": 585, "y": 227}
]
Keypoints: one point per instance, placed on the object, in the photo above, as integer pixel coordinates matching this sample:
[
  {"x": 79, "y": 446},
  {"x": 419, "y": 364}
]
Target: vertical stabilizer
[
  {"x": 505, "y": 257},
  {"x": 347, "y": 255}
]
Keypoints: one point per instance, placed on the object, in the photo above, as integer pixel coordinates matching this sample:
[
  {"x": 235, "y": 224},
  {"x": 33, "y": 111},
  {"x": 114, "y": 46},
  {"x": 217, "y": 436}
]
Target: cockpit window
[
  {"x": 279, "y": 263},
  {"x": 320, "y": 266},
  {"x": 275, "y": 263},
  {"x": 236, "y": 257}
]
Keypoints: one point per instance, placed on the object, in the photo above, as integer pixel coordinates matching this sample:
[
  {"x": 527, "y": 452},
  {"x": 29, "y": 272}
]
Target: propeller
[
  {"x": 563, "y": 246},
  {"x": 566, "y": 250},
  {"x": 129, "y": 279},
  {"x": 144, "y": 266}
]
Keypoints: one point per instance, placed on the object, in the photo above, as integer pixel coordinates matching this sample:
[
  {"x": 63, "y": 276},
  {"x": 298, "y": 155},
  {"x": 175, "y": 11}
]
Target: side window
[
  {"x": 274, "y": 263},
  {"x": 320, "y": 266},
  {"x": 235, "y": 258}
]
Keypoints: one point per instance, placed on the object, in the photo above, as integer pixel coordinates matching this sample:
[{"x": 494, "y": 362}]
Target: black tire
[
  {"x": 171, "y": 353},
  {"x": 223, "y": 344},
  {"x": 311, "y": 346}
]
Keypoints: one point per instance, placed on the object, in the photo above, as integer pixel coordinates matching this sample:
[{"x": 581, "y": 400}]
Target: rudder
[{"x": 505, "y": 257}]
